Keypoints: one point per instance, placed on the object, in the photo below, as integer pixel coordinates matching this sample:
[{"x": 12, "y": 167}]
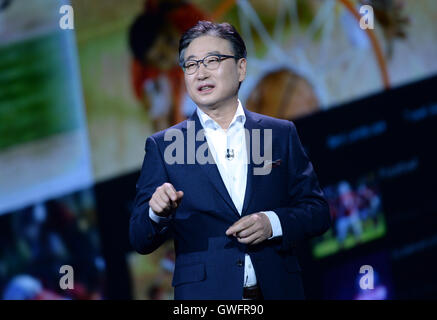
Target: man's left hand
[{"x": 251, "y": 229}]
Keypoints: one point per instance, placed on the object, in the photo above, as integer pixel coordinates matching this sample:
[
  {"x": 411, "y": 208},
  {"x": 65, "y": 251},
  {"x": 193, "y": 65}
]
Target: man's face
[{"x": 212, "y": 88}]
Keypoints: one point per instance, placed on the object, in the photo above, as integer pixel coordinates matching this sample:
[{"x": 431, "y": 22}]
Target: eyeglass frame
[{"x": 220, "y": 56}]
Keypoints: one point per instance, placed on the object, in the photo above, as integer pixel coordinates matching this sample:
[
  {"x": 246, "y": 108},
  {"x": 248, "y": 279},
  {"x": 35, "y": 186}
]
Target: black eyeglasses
[{"x": 211, "y": 62}]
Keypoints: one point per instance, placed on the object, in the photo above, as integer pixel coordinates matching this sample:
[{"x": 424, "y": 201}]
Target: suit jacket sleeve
[
  {"x": 307, "y": 213},
  {"x": 145, "y": 234}
]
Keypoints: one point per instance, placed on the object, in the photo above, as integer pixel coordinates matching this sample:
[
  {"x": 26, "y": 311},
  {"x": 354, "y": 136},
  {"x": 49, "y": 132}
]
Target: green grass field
[{"x": 328, "y": 244}]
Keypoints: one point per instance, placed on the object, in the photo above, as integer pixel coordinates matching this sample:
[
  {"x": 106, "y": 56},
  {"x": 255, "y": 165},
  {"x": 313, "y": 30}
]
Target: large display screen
[
  {"x": 44, "y": 149},
  {"x": 375, "y": 160}
]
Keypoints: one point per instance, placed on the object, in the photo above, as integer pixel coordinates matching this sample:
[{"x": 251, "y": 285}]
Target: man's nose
[{"x": 202, "y": 72}]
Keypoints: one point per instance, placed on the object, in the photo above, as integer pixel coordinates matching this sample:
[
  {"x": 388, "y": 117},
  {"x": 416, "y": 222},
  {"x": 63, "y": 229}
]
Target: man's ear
[{"x": 241, "y": 66}]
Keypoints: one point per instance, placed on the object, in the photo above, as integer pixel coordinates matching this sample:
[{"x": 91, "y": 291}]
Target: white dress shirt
[{"x": 233, "y": 172}]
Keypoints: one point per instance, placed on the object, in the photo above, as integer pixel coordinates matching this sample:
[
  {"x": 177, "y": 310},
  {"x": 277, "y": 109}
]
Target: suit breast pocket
[
  {"x": 272, "y": 188},
  {"x": 188, "y": 274}
]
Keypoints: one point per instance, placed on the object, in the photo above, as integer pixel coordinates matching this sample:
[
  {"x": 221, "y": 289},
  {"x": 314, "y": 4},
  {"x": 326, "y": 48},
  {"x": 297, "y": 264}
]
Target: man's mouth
[{"x": 205, "y": 88}]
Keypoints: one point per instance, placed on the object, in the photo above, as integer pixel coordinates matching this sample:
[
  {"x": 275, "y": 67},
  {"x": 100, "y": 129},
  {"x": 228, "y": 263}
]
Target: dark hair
[{"x": 221, "y": 30}]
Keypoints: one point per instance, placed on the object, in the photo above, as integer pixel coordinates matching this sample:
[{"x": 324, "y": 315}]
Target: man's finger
[
  {"x": 258, "y": 241},
  {"x": 157, "y": 204},
  {"x": 163, "y": 197},
  {"x": 175, "y": 203},
  {"x": 240, "y": 225},
  {"x": 170, "y": 192},
  {"x": 170, "y": 186},
  {"x": 179, "y": 195},
  {"x": 250, "y": 239},
  {"x": 247, "y": 232}
]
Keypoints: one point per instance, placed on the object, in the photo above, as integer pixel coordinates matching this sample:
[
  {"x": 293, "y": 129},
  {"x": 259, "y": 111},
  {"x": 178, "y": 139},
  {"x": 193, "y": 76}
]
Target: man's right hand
[{"x": 165, "y": 199}]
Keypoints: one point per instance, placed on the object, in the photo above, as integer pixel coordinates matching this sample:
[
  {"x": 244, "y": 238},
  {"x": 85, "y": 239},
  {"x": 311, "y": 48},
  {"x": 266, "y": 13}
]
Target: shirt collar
[{"x": 208, "y": 122}]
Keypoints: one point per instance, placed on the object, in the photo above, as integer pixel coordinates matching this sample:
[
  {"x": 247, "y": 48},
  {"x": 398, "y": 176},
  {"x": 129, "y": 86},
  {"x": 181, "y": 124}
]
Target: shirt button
[{"x": 240, "y": 263}]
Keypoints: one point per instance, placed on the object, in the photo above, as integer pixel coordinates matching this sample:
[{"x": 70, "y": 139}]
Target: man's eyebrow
[{"x": 211, "y": 52}]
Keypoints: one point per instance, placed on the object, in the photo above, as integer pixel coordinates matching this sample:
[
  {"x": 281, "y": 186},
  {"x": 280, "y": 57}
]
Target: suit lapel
[
  {"x": 210, "y": 169},
  {"x": 252, "y": 122}
]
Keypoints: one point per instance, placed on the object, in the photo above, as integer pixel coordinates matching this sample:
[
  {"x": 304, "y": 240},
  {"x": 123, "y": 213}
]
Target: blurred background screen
[
  {"x": 76, "y": 107},
  {"x": 44, "y": 147}
]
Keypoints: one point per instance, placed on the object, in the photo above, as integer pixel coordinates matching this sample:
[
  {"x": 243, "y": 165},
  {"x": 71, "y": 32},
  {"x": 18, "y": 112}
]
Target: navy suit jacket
[{"x": 209, "y": 264}]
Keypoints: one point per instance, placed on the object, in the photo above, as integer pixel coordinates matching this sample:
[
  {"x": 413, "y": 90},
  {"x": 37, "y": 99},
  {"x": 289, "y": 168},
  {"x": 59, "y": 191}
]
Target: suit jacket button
[
  {"x": 149, "y": 236},
  {"x": 240, "y": 263}
]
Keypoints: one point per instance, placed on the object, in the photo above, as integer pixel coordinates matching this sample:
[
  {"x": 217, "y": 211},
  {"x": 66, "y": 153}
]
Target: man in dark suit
[{"x": 235, "y": 216}]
